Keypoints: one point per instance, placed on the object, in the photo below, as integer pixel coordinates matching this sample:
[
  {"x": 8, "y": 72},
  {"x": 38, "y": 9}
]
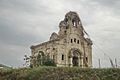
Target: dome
[{"x": 54, "y": 36}]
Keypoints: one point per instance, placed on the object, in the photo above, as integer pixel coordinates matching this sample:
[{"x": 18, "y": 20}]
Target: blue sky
[{"x": 27, "y": 22}]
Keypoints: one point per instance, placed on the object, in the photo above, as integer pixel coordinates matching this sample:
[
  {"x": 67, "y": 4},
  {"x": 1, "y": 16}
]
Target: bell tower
[
  {"x": 70, "y": 24},
  {"x": 72, "y": 18}
]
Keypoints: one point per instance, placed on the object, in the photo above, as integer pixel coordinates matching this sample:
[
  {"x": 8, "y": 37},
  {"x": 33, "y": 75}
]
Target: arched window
[
  {"x": 53, "y": 48},
  {"x": 39, "y": 58},
  {"x": 86, "y": 59},
  {"x": 66, "y": 27},
  {"x": 62, "y": 57},
  {"x": 71, "y": 40},
  {"x": 65, "y": 32},
  {"x": 78, "y": 41},
  {"x": 74, "y": 23},
  {"x": 75, "y": 40}
]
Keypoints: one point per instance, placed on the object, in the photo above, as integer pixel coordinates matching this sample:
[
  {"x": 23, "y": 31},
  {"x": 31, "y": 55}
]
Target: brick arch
[
  {"x": 74, "y": 52},
  {"x": 74, "y": 57}
]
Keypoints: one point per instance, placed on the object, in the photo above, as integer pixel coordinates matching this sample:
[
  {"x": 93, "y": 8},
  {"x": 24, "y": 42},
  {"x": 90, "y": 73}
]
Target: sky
[{"x": 28, "y": 22}]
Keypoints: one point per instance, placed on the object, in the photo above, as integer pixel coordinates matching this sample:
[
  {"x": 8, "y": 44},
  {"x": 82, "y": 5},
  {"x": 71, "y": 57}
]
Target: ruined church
[{"x": 69, "y": 47}]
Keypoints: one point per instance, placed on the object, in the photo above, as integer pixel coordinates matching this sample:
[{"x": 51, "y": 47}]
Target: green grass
[{"x": 60, "y": 73}]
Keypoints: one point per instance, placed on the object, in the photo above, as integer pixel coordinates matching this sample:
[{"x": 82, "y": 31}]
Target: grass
[{"x": 60, "y": 73}]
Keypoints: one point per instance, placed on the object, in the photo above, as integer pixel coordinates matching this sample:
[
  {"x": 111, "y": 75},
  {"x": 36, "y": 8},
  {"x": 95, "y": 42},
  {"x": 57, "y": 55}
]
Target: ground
[{"x": 60, "y": 73}]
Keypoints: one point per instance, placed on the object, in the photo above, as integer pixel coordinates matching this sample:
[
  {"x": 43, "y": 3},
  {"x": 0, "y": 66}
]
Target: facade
[{"x": 69, "y": 47}]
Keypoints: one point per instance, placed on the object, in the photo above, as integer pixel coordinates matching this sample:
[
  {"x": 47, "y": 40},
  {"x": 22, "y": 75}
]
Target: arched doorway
[
  {"x": 74, "y": 57},
  {"x": 75, "y": 61},
  {"x": 40, "y": 58}
]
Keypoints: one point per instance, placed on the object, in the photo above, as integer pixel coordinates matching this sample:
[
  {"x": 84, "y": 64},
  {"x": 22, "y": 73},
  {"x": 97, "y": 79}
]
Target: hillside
[{"x": 57, "y": 73}]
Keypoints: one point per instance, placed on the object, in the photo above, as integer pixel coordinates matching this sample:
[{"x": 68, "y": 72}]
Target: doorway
[{"x": 75, "y": 61}]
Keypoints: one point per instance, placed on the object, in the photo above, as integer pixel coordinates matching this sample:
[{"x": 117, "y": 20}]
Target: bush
[
  {"x": 44, "y": 61},
  {"x": 49, "y": 62}
]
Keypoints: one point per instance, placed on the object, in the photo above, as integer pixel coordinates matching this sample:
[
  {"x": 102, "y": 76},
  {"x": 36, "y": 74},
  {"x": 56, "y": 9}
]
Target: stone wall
[{"x": 70, "y": 36}]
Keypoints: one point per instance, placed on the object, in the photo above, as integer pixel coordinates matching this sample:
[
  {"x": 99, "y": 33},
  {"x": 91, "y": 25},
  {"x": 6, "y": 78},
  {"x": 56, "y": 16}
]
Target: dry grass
[{"x": 60, "y": 73}]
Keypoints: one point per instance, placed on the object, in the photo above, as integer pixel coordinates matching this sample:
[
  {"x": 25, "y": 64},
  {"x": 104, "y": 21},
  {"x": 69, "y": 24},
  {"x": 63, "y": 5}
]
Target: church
[{"x": 69, "y": 47}]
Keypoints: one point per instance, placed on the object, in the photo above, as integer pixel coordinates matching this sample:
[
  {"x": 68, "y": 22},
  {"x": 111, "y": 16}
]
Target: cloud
[{"x": 26, "y": 22}]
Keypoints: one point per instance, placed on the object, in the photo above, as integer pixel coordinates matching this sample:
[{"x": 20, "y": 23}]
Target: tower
[{"x": 71, "y": 23}]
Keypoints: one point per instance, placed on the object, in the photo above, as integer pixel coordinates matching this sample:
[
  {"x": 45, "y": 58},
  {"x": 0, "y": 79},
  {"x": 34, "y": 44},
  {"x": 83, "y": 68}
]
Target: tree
[
  {"x": 39, "y": 60},
  {"x": 27, "y": 60},
  {"x": 48, "y": 62},
  {"x": 43, "y": 60}
]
